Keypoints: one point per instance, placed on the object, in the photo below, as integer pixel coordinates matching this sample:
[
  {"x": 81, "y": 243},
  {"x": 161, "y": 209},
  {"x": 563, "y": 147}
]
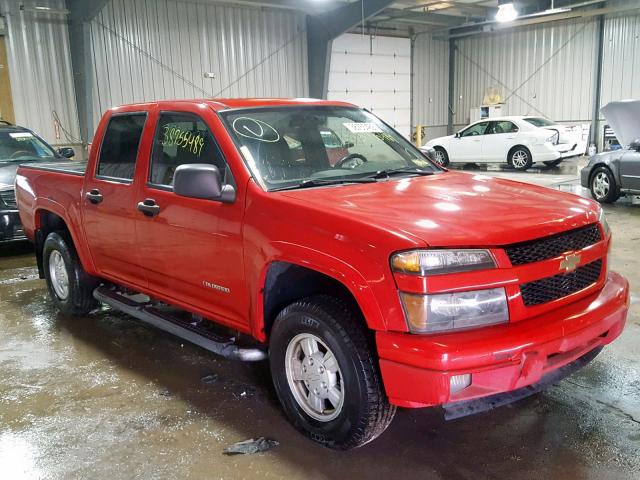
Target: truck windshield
[
  {"x": 20, "y": 146},
  {"x": 287, "y": 147}
]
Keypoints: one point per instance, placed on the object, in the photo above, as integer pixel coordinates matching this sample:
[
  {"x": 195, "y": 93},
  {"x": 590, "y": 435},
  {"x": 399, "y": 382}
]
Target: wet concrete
[{"x": 107, "y": 397}]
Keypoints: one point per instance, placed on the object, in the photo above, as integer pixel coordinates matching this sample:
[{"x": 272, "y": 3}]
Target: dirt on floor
[{"x": 107, "y": 397}]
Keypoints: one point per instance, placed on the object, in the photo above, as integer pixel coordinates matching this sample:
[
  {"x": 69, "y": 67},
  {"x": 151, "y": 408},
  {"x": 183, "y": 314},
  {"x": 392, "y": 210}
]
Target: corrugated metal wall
[
  {"x": 430, "y": 84},
  {"x": 40, "y": 69},
  {"x": 541, "y": 70},
  {"x": 621, "y": 59},
  {"x": 157, "y": 49}
]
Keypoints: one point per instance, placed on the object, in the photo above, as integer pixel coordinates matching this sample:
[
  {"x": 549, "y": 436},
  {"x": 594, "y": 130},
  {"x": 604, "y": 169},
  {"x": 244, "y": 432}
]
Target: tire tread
[{"x": 378, "y": 411}]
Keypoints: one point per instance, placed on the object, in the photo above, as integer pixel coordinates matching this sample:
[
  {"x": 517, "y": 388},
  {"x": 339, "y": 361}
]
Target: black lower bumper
[
  {"x": 10, "y": 227},
  {"x": 469, "y": 407}
]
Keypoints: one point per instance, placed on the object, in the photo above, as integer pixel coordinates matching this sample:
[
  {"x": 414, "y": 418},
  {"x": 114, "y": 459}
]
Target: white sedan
[{"x": 504, "y": 139}]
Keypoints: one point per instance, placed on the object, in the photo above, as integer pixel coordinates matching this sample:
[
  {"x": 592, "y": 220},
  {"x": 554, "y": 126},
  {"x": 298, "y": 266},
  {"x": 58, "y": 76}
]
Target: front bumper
[
  {"x": 416, "y": 369},
  {"x": 10, "y": 226},
  {"x": 585, "y": 173}
]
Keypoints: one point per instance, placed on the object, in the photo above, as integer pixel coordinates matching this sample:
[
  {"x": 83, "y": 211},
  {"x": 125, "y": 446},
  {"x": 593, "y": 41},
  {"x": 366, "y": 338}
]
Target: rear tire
[
  {"x": 325, "y": 375},
  {"x": 553, "y": 163},
  {"x": 520, "y": 158},
  {"x": 442, "y": 158},
  {"x": 70, "y": 287},
  {"x": 603, "y": 185}
]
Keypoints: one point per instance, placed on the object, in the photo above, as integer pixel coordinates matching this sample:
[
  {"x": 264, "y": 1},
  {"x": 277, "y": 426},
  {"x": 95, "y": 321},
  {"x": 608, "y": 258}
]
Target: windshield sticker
[
  {"x": 21, "y": 136},
  {"x": 356, "y": 127},
  {"x": 255, "y": 130},
  {"x": 186, "y": 140}
]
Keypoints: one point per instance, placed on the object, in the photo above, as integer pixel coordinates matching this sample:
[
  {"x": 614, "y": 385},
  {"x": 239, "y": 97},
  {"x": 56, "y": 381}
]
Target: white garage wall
[
  {"x": 40, "y": 69},
  {"x": 373, "y": 72},
  {"x": 147, "y": 50},
  {"x": 621, "y": 59},
  {"x": 542, "y": 70},
  {"x": 430, "y": 84}
]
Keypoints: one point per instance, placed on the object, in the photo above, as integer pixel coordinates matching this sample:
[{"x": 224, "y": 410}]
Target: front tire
[
  {"x": 441, "y": 157},
  {"x": 70, "y": 287},
  {"x": 603, "y": 185},
  {"x": 325, "y": 375},
  {"x": 520, "y": 158}
]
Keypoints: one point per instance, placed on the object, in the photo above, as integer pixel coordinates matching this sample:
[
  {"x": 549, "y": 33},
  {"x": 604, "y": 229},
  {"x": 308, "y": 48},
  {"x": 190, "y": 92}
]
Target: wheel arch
[
  {"x": 52, "y": 220},
  {"x": 613, "y": 168},
  {"x": 284, "y": 281},
  {"x": 518, "y": 145}
]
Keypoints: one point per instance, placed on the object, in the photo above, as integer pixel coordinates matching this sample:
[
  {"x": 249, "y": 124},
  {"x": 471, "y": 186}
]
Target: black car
[{"x": 19, "y": 145}]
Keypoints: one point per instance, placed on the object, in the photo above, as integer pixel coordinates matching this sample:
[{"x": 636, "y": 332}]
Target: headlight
[
  {"x": 434, "y": 262},
  {"x": 453, "y": 311},
  {"x": 553, "y": 138},
  {"x": 603, "y": 222}
]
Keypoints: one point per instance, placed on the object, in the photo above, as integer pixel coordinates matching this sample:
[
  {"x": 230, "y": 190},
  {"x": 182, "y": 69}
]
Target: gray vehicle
[
  {"x": 610, "y": 175},
  {"x": 19, "y": 145}
]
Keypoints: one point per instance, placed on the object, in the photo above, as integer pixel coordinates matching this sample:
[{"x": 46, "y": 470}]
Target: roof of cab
[
  {"x": 233, "y": 103},
  {"x": 12, "y": 128}
]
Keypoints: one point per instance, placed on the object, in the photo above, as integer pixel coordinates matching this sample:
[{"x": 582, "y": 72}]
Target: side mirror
[
  {"x": 457, "y": 135},
  {"x": 66, "y": 152},
  {"x": 201, "y": 180},
  {"x": 348, "y": 145},
  {"x": 635, "y": 145}
]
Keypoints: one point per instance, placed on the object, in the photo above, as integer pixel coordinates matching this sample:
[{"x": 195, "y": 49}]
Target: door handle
[
  {"x": 94, "y": 196},
  {"x": 149, "y": 207}
]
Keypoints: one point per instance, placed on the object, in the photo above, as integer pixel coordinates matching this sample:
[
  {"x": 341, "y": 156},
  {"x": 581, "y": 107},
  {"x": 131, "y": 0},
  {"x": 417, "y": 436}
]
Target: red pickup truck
[{"x": 374, "y": 281}]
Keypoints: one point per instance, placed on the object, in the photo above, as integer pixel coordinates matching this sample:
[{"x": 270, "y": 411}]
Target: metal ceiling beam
[
  {"x": 472, "y": 9},
  {"x": 419, "y": 17},
  {"x": 472, "y": 28},
  {"x": 323, "y": 28}
]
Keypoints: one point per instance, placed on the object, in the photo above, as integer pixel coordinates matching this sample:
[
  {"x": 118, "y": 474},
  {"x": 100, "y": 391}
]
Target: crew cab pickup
[{"x": 372, "y": 281}]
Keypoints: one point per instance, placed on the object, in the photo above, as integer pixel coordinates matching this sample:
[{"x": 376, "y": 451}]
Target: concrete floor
[{"x": 107, "y": 397}]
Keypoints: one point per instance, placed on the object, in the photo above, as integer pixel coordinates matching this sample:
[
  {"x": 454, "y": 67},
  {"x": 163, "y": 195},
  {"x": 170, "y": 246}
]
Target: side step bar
[{"x": 185, "y": 330}]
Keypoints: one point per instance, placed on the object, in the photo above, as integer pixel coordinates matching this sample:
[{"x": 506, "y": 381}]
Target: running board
[{"x": 185, "y": 330}]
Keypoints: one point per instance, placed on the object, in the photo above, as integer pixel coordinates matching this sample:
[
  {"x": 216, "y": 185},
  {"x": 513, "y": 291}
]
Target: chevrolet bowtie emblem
[{"x": 569, "y": 263}]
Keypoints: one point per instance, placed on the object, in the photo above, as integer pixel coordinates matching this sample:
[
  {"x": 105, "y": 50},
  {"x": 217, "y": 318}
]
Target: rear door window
[
  {"x": 503, "y": 126},
  {"x": 183, "y": 138},
  {"x": 120, "y": 146}
]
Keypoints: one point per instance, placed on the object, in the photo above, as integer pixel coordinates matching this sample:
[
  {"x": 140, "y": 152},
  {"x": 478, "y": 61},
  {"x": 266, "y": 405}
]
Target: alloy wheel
[
  {"x": 314, "y": 377},
  {"x": 519, "y": 158},
  {"x": 601, "y": 185},
  {"x": 58, "y": 274}
]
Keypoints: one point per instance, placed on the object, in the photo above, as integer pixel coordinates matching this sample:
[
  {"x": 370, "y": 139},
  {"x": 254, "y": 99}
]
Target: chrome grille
[
  {"x": 553, "y": 246},
  {"x": 552, "y": 288}
]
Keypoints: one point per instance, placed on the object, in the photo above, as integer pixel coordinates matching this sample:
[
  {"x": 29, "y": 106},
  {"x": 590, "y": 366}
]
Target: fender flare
[
  {"x": 42, "y": 205},
  {"x": 325, "y": 264}
]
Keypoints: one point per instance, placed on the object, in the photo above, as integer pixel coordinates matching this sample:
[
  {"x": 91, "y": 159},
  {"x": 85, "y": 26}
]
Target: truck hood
[
  {"x": 455, "y": 209},
  {"x": 624, "y": 119}
]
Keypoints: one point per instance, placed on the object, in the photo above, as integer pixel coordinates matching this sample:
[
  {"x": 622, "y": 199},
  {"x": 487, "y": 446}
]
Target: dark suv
[{"x": 19, "y": 145}]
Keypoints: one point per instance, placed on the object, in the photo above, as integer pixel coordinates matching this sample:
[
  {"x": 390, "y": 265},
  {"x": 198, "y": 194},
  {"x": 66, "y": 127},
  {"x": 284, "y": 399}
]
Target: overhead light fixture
[
  {"x": 40, "y": 9},
  {"x": 506, "y": 12}
]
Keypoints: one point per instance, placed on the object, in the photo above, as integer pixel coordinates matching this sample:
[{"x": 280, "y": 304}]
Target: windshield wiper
[
  {"x": 324, "y": 182},
  {"x": 389, "y": 172}
]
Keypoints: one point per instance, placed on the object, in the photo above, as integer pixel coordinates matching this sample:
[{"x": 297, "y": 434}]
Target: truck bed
[{"x": 73, "y": 168}]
